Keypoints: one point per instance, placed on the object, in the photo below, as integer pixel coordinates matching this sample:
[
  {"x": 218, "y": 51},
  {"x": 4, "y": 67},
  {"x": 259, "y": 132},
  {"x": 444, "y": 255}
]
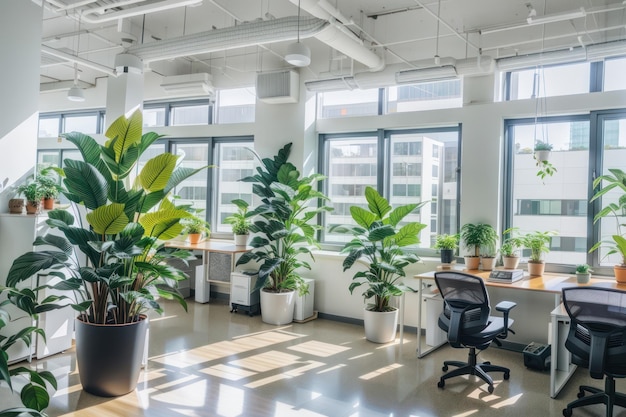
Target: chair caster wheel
[
  {"x": 487, "y": 363},
  {"x": 580, "y": 394},
  {"x": 444, "y": 368},
  {"x": 567, "y": 412},
  {"x": 441, "y": 383},
  {"x": 490, "y": 389},
  {"x": 506, "y": 375}
]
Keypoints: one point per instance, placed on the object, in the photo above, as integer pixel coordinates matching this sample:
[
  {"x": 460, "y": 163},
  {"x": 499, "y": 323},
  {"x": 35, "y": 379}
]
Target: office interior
[{"x": 356, "y": 47}]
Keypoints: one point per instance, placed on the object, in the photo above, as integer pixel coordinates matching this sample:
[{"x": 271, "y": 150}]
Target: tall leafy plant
[
  {"x": 480, "y": 236},
  {"x": 282, "y": 222},
  {"x": 115, "y": 263},
  {"x": 379, "y": 239}
]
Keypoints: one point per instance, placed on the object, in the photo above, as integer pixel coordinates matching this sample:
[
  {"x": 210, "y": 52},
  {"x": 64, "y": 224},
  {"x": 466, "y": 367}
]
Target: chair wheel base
[
  {"x": 580, "y": 394},
  {"x": 490, "y": 389},
  {"x": 441, "y": 383},
  {"x": 444, "y": 368},
  {"x": 567, "y": 412},
  {"x": 506, "y": 376}
]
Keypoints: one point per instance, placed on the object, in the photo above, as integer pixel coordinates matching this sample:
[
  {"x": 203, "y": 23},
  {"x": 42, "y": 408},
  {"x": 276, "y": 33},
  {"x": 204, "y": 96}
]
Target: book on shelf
[{"x": 506, "y": 276}]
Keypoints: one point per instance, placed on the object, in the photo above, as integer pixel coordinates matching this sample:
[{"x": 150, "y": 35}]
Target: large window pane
[
  {"x": 236, "y": 105},
  {"x": 189, "y": 115},
  {"x": 613, "y": 156},
  {"x": 352, "y": 165},
  {"x": 348, "y": 103},
  {"x": 154, "y": 117},
  {"x": 194, "y": 189},
  {"x": 559, "y": 202},
  {"x": 550, "y": 81},
  {"x": 81, "y": 123},
  {"x": 235, "y": 161},
  {"x": 48, "y": 127},
  {"x": 614, "y": 70},
  {"x": 420, "y": 176},
  {"x": 424, "y": 96}
]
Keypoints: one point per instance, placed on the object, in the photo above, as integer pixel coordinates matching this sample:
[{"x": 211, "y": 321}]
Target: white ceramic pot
[
  {"x": 542, "y": 155},
  {"x": 583, "y": 278},
  {"x": 241, "y": 240},
  {"x": 277, "y": 307},
  {"x": 380, "y": 327},
  {"x": 510, "y": 262}
]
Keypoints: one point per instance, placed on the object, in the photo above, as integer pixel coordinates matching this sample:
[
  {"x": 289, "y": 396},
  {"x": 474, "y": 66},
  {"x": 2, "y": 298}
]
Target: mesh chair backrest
[
  {"x": 465, "y": 291},
  {"x": 597, "y": 308}
]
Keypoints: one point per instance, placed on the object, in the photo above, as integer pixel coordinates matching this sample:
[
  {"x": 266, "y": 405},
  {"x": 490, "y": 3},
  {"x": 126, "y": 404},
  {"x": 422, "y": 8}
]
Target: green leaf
[
  {"x": 400, "y": 213},
  {"x": 86, "y": 184},
  {"x": 30, "y": 263},
  {"x": 4, "y": 369},
  {"x": 363, "y": 217},
  {"x": 157, "y": 172},
  {"x": 409, "y": 234},
  {"x": 127, "y": 132},
  {"x": 376, "y": 203},
  {"x": 109, "y": 219},
  {"x": 35, "y": 397}
]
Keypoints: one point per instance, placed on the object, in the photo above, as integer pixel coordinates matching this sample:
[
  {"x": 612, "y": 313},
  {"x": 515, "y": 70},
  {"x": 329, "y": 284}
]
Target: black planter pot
[
  {"x": 447, "y": 256},
  {"x": 109, "y": 356}
]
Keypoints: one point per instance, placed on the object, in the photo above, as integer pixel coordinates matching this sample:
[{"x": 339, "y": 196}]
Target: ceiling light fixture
[
  {"x": 298, "y": 54},
  {"x": 552, "y": 18},
  {"x": 76, "y": 93},
  {"x": 437, "y": 58}
]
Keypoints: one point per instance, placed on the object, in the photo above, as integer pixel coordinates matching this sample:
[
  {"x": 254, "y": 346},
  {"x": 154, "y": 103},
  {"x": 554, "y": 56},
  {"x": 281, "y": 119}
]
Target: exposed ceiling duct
[{"x": 240, "y": 36}]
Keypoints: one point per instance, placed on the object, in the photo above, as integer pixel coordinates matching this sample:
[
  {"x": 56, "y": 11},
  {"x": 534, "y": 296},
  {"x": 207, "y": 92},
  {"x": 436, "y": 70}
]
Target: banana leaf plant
[
  {"x": 282, "y": 223},
  {"x": 33, "y": 395},
  {"x": 113, "y": 260},
  {"x": 380, "y": 240}
]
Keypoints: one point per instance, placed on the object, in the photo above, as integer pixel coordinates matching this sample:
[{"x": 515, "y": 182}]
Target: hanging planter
[{"x": 542, "y": 155}]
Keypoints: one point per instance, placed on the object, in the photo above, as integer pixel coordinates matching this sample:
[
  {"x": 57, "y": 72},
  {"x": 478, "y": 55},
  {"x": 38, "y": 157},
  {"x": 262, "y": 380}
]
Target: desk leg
[
  {"x": 561, "y": 368},
  {"x": 402, "y": 300},
  {"x": 428, "y": 348}
]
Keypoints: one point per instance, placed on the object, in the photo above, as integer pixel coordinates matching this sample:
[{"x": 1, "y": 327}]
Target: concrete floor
[{"x": 210, "y": 362}]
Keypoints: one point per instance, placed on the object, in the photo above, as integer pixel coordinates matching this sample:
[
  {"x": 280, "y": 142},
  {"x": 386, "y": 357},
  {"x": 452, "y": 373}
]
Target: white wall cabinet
[{"x": 17, "y": 234}]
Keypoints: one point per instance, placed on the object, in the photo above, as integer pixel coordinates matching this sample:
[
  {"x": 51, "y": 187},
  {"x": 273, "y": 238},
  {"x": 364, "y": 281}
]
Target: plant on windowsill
[
  {"x": 539, "y": 244},
  {"x": 379, "y": 240},
  {"x": 32, "y": 193},
  {"x": 446, "y": 244},
  {"x": 112, "y": 259},
  {"x": 509, "y": 249},
  {"x": 283, "y": 233},
  {"x": 616, "y": 181},
  {"x": 542, "y": 155},
  {"x": 49, "y": 187},
  {"x": 240, "y": 222},
  {"x": 583, "y": 273},
  {"x": 196, "y": 229},
  {"x": 476, "y": 237}
]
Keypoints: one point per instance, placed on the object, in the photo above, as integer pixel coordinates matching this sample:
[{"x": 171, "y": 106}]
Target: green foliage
[
  {"x": 282, "y": 224},
  {"x": 192, "y": 225},
  {"x": 48, "y": 183},
  {"x": 543, "y": 146},
  {"x": 446, "y": 241},
  {"x": 33, "y": 394},
  {"x": 546, "y": 169},
  {"x": 511, "y": 242},
  {"x": 31, "y": 192},
  {"x": 538, "y": 243},
  {"x": 115, "y": 264},
  {"x": 616, "y": 180},
  {"x": 479, "y": 238},
  {"x": 583, "y": 269},
  {"x": 379, "y": 239},
  {"x": 240, "y": 221}
]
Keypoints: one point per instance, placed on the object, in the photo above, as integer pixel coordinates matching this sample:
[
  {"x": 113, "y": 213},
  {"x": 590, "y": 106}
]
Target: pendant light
[
  {"x": 76, "y": 93},
  {"x": 298, "y": 54}
]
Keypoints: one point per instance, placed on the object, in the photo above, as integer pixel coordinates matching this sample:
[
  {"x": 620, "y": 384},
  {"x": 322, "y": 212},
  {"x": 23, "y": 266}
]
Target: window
[
  {"x": 348, "y": 103},
  {"x": 54, "y": 124},
  {"x": 424, "y": 96},
  {"x": 614, "y": 70},
  {"x": 182, "y": 115},
  {"x": 405, "y": 176},
  {"x": 549, "y": 81},
  {"x": 154, "y": 116},
  {"x": 49, "y": 127},
  {"x": 236, "y": 105}
]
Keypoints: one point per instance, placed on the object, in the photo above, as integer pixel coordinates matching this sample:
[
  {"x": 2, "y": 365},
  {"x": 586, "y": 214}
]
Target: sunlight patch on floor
[
  {"x": 266, "y": 361},
  {"x": 509, "y": 401},
  {"x": 316, "y": 348},
  {"x": 231, "y": 373},
  {"x": 186, "y": 395},
  {"x": 380, "y": 371},
  {"x": 332, "y": 368}
]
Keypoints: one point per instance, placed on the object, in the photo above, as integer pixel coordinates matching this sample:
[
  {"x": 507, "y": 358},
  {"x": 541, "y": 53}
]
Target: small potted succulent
[
  {"x": 240, "y": 222},
  {"x": 583, "y": 273},
  {"x": 447, "y": 244}
]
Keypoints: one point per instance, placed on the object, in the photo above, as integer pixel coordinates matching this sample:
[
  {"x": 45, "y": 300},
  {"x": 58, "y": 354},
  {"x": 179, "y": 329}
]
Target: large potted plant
[
  {"x": 240, "y": 222},
  {"x": 283, "y": 233},
  {"x": 379, "y": 239},
  {"x": 446, "y": 244},
  {"x": 539, "y": 243},
  {"x": 112, "y": 259},
  {"x": 616, "y": 180},
  {"x": 476, "y": 237}
]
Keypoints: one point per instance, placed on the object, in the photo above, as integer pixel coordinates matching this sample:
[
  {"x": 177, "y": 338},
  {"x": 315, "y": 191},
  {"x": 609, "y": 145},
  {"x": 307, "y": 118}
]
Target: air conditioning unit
[
  {"x": 189, "y": 84},
  {"x": 278, "y": 87},
  {"x": 445, "y": 72}
]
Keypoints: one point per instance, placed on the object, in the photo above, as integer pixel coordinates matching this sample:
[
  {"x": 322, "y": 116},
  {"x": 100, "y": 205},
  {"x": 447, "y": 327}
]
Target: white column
[
  {"x": 124, "y": 91},
  {"x": 20, "y": 31}
]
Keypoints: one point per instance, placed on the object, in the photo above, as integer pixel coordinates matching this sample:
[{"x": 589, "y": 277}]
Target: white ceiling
[{"x": 396, "y": 30}]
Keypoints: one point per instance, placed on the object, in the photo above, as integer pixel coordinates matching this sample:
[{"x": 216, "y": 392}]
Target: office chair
[
  {"x": 466, "y": 319},
  {"x": 597, "y": 340}
]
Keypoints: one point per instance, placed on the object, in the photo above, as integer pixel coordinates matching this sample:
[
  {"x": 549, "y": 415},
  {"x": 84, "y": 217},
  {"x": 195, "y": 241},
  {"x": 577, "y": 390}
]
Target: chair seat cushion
[{"x": 483, "y": 338}]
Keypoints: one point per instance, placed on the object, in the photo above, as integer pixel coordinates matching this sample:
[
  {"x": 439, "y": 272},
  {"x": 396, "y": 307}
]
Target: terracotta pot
[
  {"x": 487, "y": 263},
  {"x": 16, "y": 205},
  {"x": 32, "y": 207},
  {"x": 535, "y": 269},
  {"x": 620, "y": 273},
  {"x": 472, "y": 262},
  {"x": 510, "y": 262},
  {"x": 48, "y": 203},
  {"x": 194, "y": 238}
]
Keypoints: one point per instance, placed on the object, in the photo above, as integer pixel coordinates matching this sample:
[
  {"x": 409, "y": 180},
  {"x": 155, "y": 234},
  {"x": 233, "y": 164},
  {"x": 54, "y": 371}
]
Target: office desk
[
  {"x": 207, "y": 247},
  {"x": 560, "y": 369}
]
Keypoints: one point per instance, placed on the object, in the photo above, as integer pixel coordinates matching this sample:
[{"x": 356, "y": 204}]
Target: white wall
[{"x": 481, "y": 163}]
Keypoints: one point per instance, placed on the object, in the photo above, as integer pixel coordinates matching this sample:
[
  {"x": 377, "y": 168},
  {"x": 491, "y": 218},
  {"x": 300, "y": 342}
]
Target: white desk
[{"x": 561, "y": 367}]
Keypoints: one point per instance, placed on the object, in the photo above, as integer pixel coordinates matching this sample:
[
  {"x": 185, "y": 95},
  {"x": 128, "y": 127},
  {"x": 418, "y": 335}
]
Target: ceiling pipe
[
  {"x": 240, "y": 36},
  {"x": 134, "y": 11},
  {"x": 74, "y": 59},
  {"x": 59, "y": 7},
  {"x": 338, "y": 36}
]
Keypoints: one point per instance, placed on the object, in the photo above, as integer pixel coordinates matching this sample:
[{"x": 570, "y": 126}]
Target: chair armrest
[{"x": 505, "y": 308}]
